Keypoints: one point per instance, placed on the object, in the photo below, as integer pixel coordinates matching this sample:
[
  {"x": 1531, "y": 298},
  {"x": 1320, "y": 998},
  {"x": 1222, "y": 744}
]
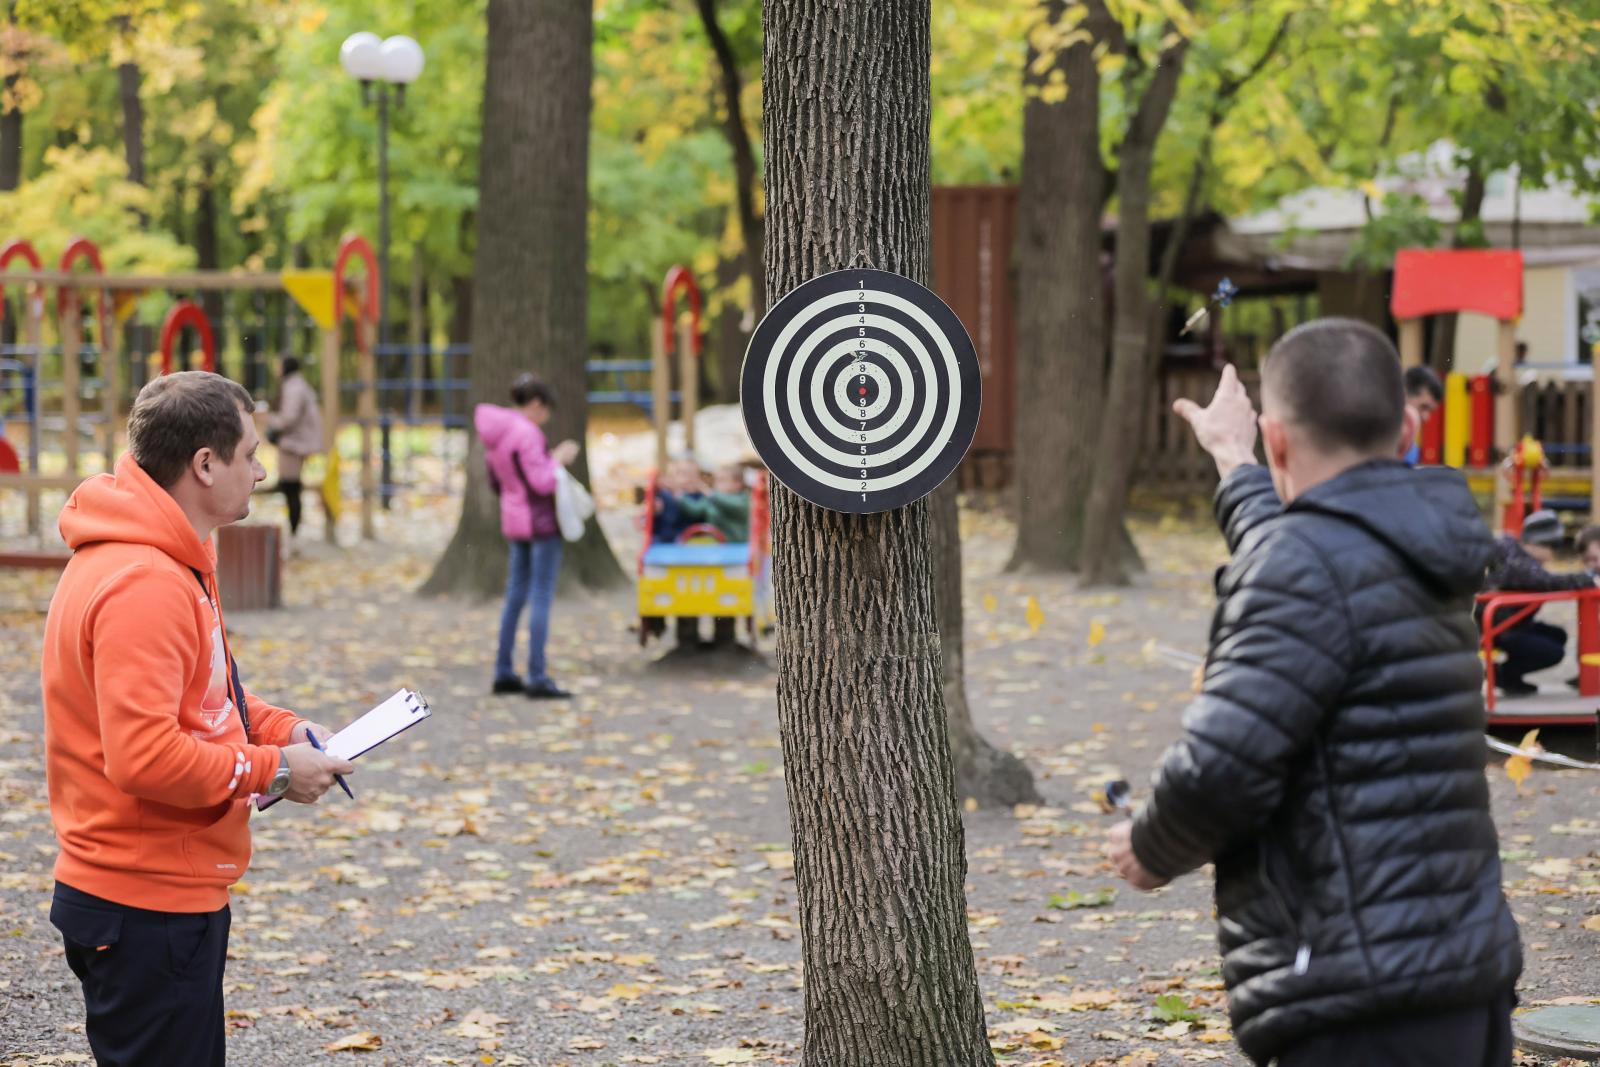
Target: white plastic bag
[{"x": 574, "y": 505}]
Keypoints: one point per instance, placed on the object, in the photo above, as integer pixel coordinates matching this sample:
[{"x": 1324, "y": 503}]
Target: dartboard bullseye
[{"x": 861, "y": 391}]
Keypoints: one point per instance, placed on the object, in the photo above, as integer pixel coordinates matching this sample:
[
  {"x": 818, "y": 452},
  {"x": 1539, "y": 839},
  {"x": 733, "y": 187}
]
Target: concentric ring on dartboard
[{"x": 861, "y": 391}]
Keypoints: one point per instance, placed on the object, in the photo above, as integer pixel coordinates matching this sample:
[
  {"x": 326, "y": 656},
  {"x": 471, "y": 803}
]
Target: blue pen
[{"x": 338, "y": 777}]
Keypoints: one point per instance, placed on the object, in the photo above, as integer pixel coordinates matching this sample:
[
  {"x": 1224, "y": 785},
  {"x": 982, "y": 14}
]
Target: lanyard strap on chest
[{"x": 235, "y": 686}]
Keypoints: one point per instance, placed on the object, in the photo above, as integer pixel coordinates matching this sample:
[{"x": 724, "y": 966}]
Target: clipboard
[{"x": 383, "y": 723}]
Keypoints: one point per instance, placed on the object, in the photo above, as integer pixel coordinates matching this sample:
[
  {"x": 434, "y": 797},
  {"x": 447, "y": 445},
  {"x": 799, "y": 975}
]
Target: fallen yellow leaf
[
  {"x": 1519, "y": 767},
  {"x": 1034, "y": 614},
  {"x": 990, "y": 603},
  {"x": 724, "y": 1056},
  {"x": 365, "y": 1041},
  {"x": 1097, "y": 633}
]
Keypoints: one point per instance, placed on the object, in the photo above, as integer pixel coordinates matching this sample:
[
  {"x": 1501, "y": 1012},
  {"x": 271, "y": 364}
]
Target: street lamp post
[{"x": 378, "y": 64}]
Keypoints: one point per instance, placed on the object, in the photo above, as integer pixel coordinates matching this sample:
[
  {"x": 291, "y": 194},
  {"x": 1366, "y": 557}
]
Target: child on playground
[
  {"x": 727, "y": 506},
  {"x": 522, "y": 473},
  {"x": 681, "y": 484},
  {"x": 1518, "y": 565},
  {"x": 1589, "y": 548}
]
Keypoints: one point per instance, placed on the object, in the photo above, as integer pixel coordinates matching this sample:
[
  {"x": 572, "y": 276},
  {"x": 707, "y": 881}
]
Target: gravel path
[{"x": 608, "y": 881}]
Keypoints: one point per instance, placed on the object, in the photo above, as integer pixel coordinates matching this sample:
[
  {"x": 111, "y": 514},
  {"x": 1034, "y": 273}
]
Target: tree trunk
[
  {"x": 991, "y": 776},
  {"x": 1443, "y": 352},
  {"x": 530, "y": 308},
  {"x": 460, "y": 310},
  {"x": 729, "y": 338},
  {"x": 1103, "y": 533},
  {"x": 206, "y": 252},
  {"x": 132, "y": 107},
  {"x": 880, "y": 860},
  {"x": 744, "y": 156},
  {"x": 1060, "y": 355}
]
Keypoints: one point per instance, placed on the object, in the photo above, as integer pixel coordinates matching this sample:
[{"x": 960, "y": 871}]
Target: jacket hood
[
  {"x": 496, "y": 424},
  {"x": 1427, "y": 515},
  {"x": 129, "y": 507}
]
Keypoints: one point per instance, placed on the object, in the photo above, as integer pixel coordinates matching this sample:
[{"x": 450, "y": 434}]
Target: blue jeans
[{"x": 532, "y": 582}]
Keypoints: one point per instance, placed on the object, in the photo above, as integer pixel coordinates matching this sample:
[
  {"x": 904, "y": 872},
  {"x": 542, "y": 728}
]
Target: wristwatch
[{"x": 280, "y": 781}]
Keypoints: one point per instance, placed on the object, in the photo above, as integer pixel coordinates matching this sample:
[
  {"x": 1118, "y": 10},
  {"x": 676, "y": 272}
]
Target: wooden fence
[
  {"x": 1170, "y": 460},
  {"x": 1554, "y": 412}
]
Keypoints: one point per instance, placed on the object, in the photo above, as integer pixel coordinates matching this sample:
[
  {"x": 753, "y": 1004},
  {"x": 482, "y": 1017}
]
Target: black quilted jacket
[{"x": 1333, "y": 766}]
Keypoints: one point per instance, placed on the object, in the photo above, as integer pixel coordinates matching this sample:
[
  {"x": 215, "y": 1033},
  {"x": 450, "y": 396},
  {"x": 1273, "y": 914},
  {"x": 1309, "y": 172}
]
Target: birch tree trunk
[{"x": 880, "y": 861}]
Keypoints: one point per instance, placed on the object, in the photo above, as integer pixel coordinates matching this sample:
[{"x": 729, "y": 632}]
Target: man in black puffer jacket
[{"x": 1333, "y": 766}]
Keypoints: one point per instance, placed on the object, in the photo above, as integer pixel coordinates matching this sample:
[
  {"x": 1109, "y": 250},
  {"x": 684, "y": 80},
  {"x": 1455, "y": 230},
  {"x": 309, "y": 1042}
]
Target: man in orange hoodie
[{"x": 153, "y": 746}]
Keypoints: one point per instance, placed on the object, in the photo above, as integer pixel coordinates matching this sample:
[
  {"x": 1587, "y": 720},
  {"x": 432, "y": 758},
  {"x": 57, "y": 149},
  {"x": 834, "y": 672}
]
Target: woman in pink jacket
[{"x": 523, "y": 475}]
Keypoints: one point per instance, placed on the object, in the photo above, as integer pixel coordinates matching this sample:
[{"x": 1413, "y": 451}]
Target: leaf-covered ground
[{"x": 609, "y": 881}]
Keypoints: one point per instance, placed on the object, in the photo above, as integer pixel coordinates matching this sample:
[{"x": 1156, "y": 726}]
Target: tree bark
[
  {"x": 744, "y": 156},
  {"x": 1444, "y": 327},
  {"x": 132, "y": 108},
  {"x": 729, "y": 338},
  {"x": 1060, "y": 355},
  {"x": 207, "y": 255},
  {"x": 11, "y": 119},
  {"x": 530, "y": 273},
  {"x": 1103, "y": 545},
  {"x": 991, "y": 776},
  {"x": 880, "y": 860}
]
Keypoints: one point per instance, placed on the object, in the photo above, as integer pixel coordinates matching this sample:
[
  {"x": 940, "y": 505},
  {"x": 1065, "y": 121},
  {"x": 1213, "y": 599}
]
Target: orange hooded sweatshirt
[{"x": 149, "y": 768}]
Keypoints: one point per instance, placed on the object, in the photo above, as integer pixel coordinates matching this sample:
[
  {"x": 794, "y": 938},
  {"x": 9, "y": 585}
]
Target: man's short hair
[
  {"x": 1339, "y": 381},
  {"x": 528, "y": 388},
  {"x": 1421, "y": 380},
  {"x": 289, "y": 365},
  {"x": 176, "y": 415}
]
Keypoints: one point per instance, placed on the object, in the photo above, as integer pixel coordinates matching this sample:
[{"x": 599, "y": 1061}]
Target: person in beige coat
[{"x": 296, "y": 428}]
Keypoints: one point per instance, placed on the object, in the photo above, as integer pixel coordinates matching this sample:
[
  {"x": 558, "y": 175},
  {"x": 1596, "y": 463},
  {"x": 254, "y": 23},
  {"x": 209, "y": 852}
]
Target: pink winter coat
[{"x": 522, "y": 471}]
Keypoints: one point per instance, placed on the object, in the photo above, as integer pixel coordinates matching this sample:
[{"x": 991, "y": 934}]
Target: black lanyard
[{"x": 236, "y": 687}]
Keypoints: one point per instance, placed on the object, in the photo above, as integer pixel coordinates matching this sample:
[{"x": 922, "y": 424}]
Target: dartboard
[{"x": 861, "y": 391}]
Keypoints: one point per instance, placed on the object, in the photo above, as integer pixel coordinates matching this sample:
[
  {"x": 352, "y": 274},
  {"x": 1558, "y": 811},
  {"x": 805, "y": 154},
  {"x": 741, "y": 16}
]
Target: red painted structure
[
  {"x": 188, "y": 313},
  {"x": 13, "y": 248},
  {"x": 680, "y": 278},
  {"x": 83, "y": 248},
  {"x": 1435, "y": 281},
  {"x": 366, "y": 308},
  {"x": 1513, "y": 608}
]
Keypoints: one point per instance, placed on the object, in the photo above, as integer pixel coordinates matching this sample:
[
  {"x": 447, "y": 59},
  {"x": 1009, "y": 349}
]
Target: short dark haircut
[
  {"x": 527, "y": 388},
  {"x": 1340, "y": 382},
  {"x": 176, "y": 415},
  {"x": 1421, "y": 380},
  {"x": 289, "y": 365},
  {"x": 1589, "y": 535}
]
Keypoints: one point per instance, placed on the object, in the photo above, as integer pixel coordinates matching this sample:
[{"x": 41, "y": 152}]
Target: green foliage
[
  {"x": 85, "y": 192},
  {"x": 1172, "y": 1008},
  {"x": 1073, "y": 900},
  {"x": 1401, "y": 221}
]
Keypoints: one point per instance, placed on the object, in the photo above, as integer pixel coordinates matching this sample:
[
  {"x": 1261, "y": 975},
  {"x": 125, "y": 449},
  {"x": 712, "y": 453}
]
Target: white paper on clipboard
[
  {"x": 383, "y": 723},
  {"x": 394, "y": 716}
]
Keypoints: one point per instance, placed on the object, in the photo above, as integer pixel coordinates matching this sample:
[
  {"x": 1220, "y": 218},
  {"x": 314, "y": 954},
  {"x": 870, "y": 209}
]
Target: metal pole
[{"x": 381, "y": 352}]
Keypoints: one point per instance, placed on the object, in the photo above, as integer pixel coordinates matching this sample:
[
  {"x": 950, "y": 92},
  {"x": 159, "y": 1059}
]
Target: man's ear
[
  {"x": 1275, "y": 442},
  {"x": 1410, "y": 427},
  {"x": 200, "y": 467}
]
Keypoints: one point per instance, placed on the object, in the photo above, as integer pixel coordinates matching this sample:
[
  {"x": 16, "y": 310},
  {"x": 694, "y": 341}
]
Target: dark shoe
[
  {"x": 508, "y": 685},
  {"x": 1518, "y": 688},
  {"x": 546, "y": 691}
]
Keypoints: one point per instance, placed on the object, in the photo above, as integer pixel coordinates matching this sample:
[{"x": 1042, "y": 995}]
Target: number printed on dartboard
[
  {"x": 861, "y": 391},
  {"x": 861, "y": 394}
]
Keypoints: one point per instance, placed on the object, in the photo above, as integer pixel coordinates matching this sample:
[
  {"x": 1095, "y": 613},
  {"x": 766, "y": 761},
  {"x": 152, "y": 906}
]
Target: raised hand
[{"x": 1226, "y": 428}]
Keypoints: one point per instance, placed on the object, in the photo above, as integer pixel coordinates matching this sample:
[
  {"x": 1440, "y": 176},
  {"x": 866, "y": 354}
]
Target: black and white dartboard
[{"x": 861, "y": 391}]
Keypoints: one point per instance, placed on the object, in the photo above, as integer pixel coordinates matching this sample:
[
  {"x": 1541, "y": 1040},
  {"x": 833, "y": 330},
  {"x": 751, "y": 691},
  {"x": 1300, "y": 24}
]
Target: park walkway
[{"x": 609, "y": 881}]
